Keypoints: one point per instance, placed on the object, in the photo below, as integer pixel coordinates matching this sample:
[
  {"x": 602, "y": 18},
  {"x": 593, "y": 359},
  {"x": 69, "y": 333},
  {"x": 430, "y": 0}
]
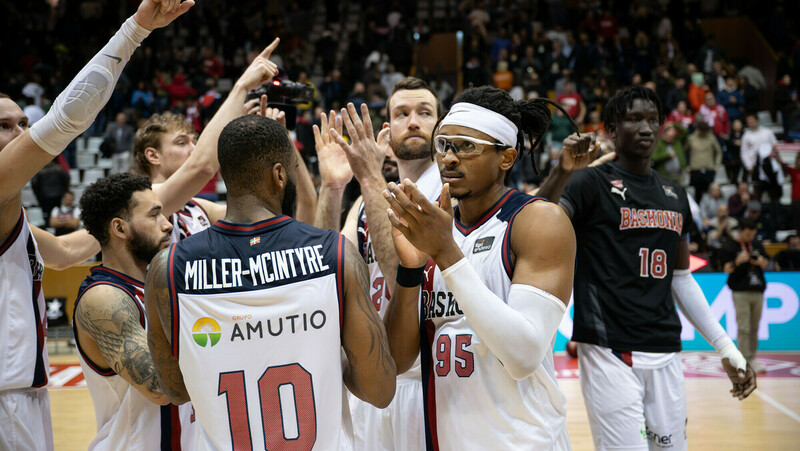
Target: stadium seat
[
  {"x": 35, "y": 216},
  {"x": 92, "y": 175},
  {"x": 85, "y": 160},
  {"x": 28, "y": 197},
  {"x": 74, "y": 177},
  {"x": 93, "y": 144}
]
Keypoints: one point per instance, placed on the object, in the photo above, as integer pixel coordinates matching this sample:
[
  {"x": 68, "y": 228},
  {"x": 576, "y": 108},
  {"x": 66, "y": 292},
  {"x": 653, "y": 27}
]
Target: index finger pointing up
[{"x": 270, "y": 48}]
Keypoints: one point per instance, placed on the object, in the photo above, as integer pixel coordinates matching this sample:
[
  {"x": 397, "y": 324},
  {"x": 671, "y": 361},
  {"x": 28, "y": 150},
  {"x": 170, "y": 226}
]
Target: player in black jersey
[{"x": 631, "y": 269}]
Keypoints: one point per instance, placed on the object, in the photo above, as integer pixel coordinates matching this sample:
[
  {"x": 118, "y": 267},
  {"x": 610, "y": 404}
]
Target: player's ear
[
  {"x": 152, "y": 156},
  {"x": 507, "y": 158},
  {"x": 279, "y": 176},
  {"x": 118, "y": 228}
]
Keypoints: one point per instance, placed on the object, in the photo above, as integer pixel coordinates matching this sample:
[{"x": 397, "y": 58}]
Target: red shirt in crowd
[{"x": 571, "y": 103}]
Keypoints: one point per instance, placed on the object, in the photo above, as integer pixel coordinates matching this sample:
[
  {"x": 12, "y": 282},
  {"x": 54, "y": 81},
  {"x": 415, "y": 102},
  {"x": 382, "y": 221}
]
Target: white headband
[{"x": 483, "y": 120}]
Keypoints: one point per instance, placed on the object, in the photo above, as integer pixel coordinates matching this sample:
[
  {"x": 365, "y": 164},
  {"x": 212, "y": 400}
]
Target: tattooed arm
[
  {"x": 370, "y": 372},
  {"x": 159, "y": 318},
  {"x": 112, "y": 336}
]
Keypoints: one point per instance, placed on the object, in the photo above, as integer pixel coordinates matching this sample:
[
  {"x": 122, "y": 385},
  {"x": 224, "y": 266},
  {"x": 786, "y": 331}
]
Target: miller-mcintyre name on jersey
[
  {"x": 266, "y": 268},
  {"x": 641, "y": 218}
]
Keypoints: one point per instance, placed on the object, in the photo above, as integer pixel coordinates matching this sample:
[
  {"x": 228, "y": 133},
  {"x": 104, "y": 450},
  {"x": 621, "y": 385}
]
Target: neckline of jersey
[
  {"x": 633, "y": 174},
  {"x": 489, "y": 213},
  {"x": 126, "y": 277},
  {"x": 244, "y": 229}
]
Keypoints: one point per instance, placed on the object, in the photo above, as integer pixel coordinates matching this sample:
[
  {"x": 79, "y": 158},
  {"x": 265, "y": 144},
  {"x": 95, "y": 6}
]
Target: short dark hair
[
  {"x": 617, "y": 106},
  {"x": 109, "y": 198},
  {"x": 3, "y": 95},
  {"x": 250, "y": 144},
  {"x": 748, "y": 223},
  {"x": 410, "y": 84},
  {"x": 532, "y": 117}
]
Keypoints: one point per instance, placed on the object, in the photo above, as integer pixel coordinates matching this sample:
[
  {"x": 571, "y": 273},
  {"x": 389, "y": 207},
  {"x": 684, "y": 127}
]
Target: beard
[
  {"x": 405, "y": 151},
  {"x": 142, "y": 248},
  {"x": 390, "y": 171},
  {"x": 461, "y": 196},
  {"x": 289, "y": 198}
]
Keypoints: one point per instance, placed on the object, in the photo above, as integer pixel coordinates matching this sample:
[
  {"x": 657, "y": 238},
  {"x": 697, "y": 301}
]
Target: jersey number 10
[
  {"x": 654, "y": 265},
  {"x": 274, "y": 386}
]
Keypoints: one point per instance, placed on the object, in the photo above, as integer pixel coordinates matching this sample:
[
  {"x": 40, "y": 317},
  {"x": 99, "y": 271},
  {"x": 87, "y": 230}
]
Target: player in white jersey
[
  {"x": 249, "y": 317},
  {"x": 502, "y": 278},
  {"x": 413, "y": 109},
  {"x": 124, "y": 214},
  {"x": 24, "y": 409}
]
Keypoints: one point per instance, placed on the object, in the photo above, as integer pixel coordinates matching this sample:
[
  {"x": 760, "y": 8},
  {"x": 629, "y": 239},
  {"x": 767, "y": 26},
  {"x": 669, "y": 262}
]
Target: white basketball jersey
[
  {"x": 473, "y": 403},
  {"x": 191, "y": 219},
  {"x": 23, "y": 324},
  {"x": 257, "y": 333},
  {"x": 126, "y": 419}
]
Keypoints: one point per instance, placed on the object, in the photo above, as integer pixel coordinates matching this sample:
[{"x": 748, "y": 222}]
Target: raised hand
[
  {"x": 261, "y": 70},
  {"x": 428, "y": 227},
  {"x": 153, "y": 14},
  {"x": 364, "y": 154},
  {"x": 576, "y": 151},
  {"x": 333, "y": 165}
]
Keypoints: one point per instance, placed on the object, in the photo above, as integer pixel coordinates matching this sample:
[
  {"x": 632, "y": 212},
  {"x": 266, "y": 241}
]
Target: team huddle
[{"x": 425, "y": 321}]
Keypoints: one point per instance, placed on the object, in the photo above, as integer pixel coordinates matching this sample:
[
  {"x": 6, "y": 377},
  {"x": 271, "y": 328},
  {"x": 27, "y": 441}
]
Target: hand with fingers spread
[
  {"x": 261, "y": 70},
  {"x": 153, "y": 14},
  {"x": 427, "y": 226},
  {"x": 744, "y": 382},
  {"x": 333, "y": 165},
  {"x": 364, "y": 153},
  {"x": 577, "y": 151}
]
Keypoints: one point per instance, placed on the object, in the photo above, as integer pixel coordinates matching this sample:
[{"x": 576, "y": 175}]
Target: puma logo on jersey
[
  {"x": 483, "y": 244},
  {"x": 618, "y": 188}
]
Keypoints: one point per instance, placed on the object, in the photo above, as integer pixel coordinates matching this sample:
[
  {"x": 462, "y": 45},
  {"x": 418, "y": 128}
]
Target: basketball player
[
  {"x": 249, "y": 316},
  {"x": 131, "y": 409},
  {"x": 413, "y": 110},
  {"x": 495, "y": 290},
  {"x": 632, "y": 268},
  {"x": 24, "y": 405}
]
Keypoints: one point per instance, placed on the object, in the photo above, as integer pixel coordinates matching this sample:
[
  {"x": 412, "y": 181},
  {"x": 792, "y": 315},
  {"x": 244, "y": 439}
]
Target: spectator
[
  {"x": 784, "y": 101},
  {"x": 143, "y": 100},
  {"x": 750, "y": 94},
  {"x": 331, "y": 90},
  {"x": 697, "y": 91},
  {"x": 765, "y": 228},
  {"x": 752, "y": 140},
  {"x": 731, "y": 153},
  {"x": 737, "y": 203},
  {"x": 668, "y": 156},
  {"x": 212, "y": 66},
  {"x": 560, "y": 128},
  {"x": 789, "y": 258},
  {"x": 608, "y": 25},
  {"x": 503, "y": 78},
  {"x": 572, "y": 102},
  {"x": 794, "y": 175},
  {"x": 49, "y": 186},
  {"x": 705, "y": 156},
  {"x": 682, "y": 115},
  {"x": 595, "y": 125},
  {"x": 716, "y": 116},
  {"x": 709, "y": 52},
  {"x": 555, "y": 63},
  {"x": 721, "y": 228},
  {"x": 120, "y": 135},
  {"x": 731, "y": 98},
  {"x": 65, "y": 218},
  {"x": 676, "y": 94},
  {"x": 710, "y": 203},
  {"x": 178, "y": 90},
  {"x": 745, "y": 261}
]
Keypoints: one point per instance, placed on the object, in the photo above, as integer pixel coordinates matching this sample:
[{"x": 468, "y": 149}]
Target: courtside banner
[{"x": 779, "y": 329}]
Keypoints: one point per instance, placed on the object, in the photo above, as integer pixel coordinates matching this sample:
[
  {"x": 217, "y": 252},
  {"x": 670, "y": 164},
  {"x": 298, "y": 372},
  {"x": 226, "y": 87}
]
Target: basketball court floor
[{"x": 768, "y": 420}]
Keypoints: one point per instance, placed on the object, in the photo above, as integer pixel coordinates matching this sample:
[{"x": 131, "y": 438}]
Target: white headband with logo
[{"x": 483, "y": 120}]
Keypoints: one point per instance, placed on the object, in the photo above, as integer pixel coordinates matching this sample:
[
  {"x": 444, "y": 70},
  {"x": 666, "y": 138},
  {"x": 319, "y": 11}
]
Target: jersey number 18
[{"x": 652, "y": 263}]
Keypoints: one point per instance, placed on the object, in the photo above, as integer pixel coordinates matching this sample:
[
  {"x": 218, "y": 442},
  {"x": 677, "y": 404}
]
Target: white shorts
[
  {"x": 398, "y": 427},
  {"x": 632, "y": 408},
  {"x": 25, "y": 422}
]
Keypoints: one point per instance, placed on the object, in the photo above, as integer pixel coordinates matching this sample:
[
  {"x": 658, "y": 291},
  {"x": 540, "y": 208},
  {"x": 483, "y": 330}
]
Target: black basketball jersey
[{"x": 628, "y": 227}]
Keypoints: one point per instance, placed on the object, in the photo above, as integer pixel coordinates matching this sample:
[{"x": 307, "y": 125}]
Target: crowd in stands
[{"x": 576, "y": 53}]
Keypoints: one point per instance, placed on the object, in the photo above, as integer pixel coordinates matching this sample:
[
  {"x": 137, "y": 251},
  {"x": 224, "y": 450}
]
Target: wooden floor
[{"x": 768, "y": 420}]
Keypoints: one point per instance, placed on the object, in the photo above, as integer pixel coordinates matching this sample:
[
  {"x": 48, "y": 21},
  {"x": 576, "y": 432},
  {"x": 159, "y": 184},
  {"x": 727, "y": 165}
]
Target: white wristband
[{"x": 76, "y": 107}]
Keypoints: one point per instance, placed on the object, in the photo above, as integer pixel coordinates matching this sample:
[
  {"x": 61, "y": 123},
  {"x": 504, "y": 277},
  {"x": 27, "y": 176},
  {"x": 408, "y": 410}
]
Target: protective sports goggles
[{"x": 462, "y": 146}]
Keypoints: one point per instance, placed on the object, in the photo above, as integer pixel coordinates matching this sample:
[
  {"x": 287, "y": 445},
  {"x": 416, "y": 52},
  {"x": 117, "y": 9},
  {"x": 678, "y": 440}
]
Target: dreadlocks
[
  {"x": 532, "y": 117},
  {"x": 618, "y": 105}
]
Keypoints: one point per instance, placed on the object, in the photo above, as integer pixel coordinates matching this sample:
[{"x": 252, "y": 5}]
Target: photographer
[{"x": 745, "y": 260}]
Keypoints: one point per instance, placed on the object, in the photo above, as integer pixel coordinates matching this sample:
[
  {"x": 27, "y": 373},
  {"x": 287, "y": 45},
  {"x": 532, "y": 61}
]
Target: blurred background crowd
[{"x": 726, "y": 71}]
